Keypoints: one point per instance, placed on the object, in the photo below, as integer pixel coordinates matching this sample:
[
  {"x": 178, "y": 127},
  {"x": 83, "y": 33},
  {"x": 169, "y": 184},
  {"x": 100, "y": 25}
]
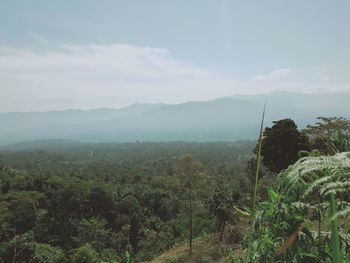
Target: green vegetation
[
  {"x": 258, "y": 156},
  {"x": 292, "y": 224},
  {"x": 281, "y": 144},
  {"x": 112, "y": 202},
  {"x": 181, "y": 202}
]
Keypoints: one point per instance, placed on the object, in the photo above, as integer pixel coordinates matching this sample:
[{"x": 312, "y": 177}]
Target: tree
[
  {"x": 18, "y": 213},
  {"x": 324, "y": 135},
  {"x": 221, "y": 205},
  {"x": 85, "y": 254},
  {"x": 281, "y": 144},
  {"x": 188, "y": 168},
  {"x": 93, "y": 231},
  {"x": 48, "y": 253}
]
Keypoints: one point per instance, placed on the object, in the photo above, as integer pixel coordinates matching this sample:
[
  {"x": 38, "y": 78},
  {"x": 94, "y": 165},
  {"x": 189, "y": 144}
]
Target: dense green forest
[
  {"x": 109, "y": 199},
  {"x": 131, "y": 202}
]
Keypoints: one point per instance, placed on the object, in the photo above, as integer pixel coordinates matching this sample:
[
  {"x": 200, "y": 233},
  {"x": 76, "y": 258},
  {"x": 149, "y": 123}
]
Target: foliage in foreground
[{"x": 294, "y": 224}]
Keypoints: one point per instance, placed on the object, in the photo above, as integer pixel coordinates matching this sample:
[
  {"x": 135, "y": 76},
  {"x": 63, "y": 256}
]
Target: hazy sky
[{"x": 59, "y": 54}]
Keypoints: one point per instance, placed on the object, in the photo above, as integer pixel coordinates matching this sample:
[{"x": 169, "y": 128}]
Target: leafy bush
[
  {"x": 85, "y": 254},
  {"x": 282, "y": 228},
  {"x": 48, "y": 254}
]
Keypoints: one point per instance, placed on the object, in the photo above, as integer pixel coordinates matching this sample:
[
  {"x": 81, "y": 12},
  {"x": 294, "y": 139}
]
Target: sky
[{"x": 84, "y": 54}]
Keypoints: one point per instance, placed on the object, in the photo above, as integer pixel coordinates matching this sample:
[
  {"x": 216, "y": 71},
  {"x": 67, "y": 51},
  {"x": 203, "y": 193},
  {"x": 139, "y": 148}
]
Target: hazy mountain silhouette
[{"x": 229, "y": 118}]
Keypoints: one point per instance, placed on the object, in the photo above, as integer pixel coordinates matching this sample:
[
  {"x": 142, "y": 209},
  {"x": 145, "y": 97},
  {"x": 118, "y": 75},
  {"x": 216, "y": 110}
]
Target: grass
[
  {"x": 258, "y": 156},
  {"x": 206, "y": 249},
  {"x": 337, "y": 256}
]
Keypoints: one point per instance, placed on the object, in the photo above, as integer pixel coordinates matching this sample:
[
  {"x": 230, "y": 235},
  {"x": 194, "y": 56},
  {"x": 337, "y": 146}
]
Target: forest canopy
[{"x": 115, "y": 202}]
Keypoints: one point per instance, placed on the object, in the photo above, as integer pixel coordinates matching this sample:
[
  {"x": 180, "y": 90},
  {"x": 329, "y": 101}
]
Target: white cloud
[
  {"x": 278, "y": 73},
  {"x": 92, "y": 75},
  {"x": 117, "y": 75}
]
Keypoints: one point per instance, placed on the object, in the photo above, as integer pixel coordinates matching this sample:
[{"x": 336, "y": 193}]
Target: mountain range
[{"x": 223, "y": 119}]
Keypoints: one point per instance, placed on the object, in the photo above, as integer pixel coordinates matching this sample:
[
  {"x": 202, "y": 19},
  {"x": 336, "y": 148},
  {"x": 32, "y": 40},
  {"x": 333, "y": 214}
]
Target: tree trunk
[
  {"x": 222, "y": 230},
  {"x": 15, "y": 238},
  {"x": 191, "y": 232}
]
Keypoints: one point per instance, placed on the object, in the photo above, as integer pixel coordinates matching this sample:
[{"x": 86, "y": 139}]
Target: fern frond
[
  {"x": 335, "y": 186},
  {"x": 315, "y": 184},
  {"x": 342, "y": 213},
  {"x": 301, "y": 170}
]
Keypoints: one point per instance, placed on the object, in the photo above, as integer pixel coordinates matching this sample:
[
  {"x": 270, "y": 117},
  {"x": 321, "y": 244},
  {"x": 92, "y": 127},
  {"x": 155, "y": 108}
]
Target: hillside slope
[{"x": 206, "y": 249}]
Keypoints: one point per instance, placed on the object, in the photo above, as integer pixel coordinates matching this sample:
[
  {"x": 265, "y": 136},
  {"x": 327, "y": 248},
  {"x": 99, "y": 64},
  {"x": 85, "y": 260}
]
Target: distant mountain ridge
[
  {"x": 23, "y": 120},
  {"x": 229, "y": 118}
]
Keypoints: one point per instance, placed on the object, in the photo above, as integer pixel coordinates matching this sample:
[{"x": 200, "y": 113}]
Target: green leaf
[
  {"x": 273, "y": 196},
  {"x": 245, "y": 213},
  {"x": 339, "y": 137}
]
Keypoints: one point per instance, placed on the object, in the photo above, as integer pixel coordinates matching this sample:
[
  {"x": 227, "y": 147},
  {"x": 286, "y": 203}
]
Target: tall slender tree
[{"x": 188, "y": 168}]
